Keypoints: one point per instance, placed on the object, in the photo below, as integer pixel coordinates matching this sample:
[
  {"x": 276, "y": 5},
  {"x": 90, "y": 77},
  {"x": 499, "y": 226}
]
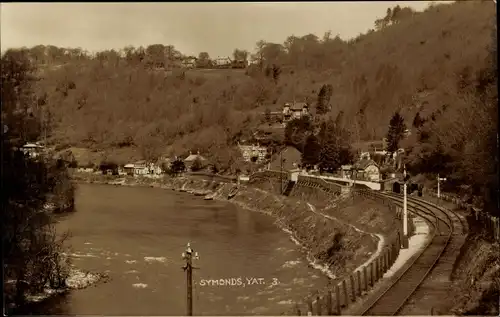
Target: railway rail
[{"x": 445, "y": 224}]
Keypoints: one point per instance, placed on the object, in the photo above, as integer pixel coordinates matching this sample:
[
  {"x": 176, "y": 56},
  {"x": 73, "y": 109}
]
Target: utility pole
[
  {"x": 405, "y": 209},
  {"x": 439, "y": 188},
  {"x": 188, "y": 256},
  {"x": 281, "y": 172}
]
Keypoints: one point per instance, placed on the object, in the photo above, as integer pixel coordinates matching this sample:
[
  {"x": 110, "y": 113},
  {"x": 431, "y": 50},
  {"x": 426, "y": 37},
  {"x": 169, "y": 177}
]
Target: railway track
[{"x": 444, "y": 224}]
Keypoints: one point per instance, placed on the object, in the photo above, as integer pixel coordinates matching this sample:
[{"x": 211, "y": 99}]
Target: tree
[
  {"x": 311, "y": 152},
  {"x": 32, "y": 250},
  {"x": 323, "y": 101},
  {"x": 197, "y": 165},
  {"x": 214, "y": 169},
  {"x": 276, "y": 73},
  {"x": 396, "y": 132},
  {"x": 203, "y": 60},
  {"x": 19, "y": 109},
  {"x": 240, "y": 55},
  {"x": 335, "y": 147},
  {"x": 156, "y": 55},
  {"x": 297, "y": 130},
  {"x": 418, "y": 121},
  {"x": 178, "y": 166}
]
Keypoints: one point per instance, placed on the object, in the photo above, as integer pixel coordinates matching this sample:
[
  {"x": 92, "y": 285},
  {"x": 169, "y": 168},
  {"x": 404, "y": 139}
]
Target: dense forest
[
  {"x": 32, "y": 251},
  {"x": 436, "y": 68}
]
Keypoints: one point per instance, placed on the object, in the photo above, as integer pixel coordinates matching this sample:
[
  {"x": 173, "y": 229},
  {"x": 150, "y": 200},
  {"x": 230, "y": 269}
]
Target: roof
[
  {"x": 346, "y": 167},
  {"x": 32, "y": 145},
  {"x": 297, "y": 105},
  {"x": 129, "y": 166},
  {"x": 290, "y": 155},
  {"x": 193, "y": 157},
  {"x": 366, "y": 145},
  {"x": 364, "y": 163}
]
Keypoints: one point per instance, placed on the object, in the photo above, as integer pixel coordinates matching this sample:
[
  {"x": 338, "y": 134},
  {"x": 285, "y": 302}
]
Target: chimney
[
  {"x": 190, "y": 153},
  {"x": 198, "y": 152}
]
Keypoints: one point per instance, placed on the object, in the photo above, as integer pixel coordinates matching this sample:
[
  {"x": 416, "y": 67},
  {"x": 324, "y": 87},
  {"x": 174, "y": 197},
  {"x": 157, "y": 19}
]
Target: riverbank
[{"x": 76, "y": 280}]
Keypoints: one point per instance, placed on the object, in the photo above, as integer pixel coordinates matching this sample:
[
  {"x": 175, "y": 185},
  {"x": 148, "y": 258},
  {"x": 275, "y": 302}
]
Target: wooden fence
[
  {"x": 354, "y": 286},
  {"x": 316, "y": 182},
  {"x": 491, "y": 224},
  {"x": 359, "y": 282}
]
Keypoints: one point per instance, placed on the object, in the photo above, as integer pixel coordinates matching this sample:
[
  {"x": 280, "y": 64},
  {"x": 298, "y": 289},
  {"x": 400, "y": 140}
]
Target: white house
[
  {"x": 295, "y": 111},
  {"x": 366, "y": 169},
  {"x": 137, "y": 168},
  {"x": 154, "y": 169},
  {"x": 254, "y": 150}
]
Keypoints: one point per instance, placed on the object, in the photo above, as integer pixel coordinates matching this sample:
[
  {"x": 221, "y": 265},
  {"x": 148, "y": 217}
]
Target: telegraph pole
[
  {"x": 439, "y": 188},
  {"x": 281, "y": 170},
  {"x": 405, "y": 210},
  {"x": 188, "y": 256}
]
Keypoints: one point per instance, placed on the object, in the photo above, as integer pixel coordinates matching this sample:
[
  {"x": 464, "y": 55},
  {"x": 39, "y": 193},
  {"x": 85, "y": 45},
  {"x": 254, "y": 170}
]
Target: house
[
  {"x": 222, "y": 62},
  {"x": 32, "y": 149},
  {"x": 295, "y": 110},
  {"x": 188, "y": 161},
  {"x": 122, "y": 171},
  {"x": 240, "y": 63},
  {"x": 254, "y": 152},
  {"x": 154, "y": 169},
  {"x": 85, "y": 169},
  {"x": 376, "y": 147},
  {"x": 129, "y": 169},
  {"x": 139, "y": 168},
  {"x": 288, "y": 159},
  {"x": 189, "y": 62},
  {"x": 366, "y": 169}
]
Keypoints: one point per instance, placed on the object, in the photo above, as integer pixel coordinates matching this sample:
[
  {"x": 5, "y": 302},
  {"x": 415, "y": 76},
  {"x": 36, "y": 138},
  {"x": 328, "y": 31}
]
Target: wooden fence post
[
  {"x": 389, "y": 256},
  {"x": 353, "y": 288},
  {"x": 371, "y": 275},
  {"x": 318, "y": 305},
  {"x": 358, "y": 273},
  {"x": 365, "y": 279},
  {"x": 337, "y": 299},
  {"x": 329, "y": 307},
  {"x": 374, "y": 271},
  {"x": 297, "y": 309},
  {"x": 346, "y": 294},
  {"x": 309, "y": 307}
]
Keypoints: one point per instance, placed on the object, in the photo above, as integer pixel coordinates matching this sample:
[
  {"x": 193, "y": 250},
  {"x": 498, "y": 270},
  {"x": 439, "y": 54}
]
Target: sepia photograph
[{"x": 250, "y": 158}]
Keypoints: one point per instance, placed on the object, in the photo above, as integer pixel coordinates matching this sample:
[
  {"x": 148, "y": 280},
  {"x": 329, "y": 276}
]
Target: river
[{"x": 136, "y": 235}]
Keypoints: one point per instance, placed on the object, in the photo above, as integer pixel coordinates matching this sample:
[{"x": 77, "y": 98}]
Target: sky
[{"x": 217, "y": 28}]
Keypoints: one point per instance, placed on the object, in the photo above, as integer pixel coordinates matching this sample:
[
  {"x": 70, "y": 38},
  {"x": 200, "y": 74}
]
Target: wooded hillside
[{"x": 435, "y": 63}]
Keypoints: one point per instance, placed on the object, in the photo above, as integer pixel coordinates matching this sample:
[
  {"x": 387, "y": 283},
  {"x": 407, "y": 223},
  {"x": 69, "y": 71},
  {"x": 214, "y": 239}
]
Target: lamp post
[
  {"x": 405, "y": 209},
  {"x": 439, "y": 188},
  {"x": 188, "y": 256}
]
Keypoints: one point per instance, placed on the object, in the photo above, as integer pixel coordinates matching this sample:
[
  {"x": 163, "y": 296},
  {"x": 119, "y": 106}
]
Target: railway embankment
[{"x": 475, "y": 276}]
